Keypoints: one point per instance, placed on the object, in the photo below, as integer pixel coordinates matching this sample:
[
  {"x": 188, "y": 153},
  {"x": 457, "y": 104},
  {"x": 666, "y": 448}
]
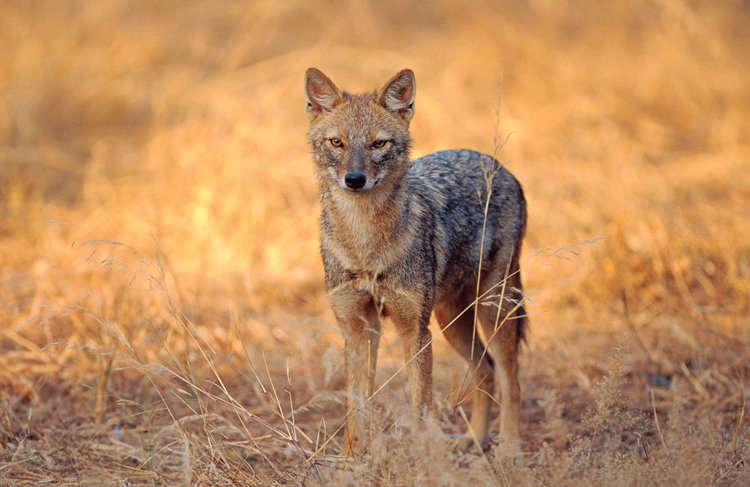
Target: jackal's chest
[
  {"x": 366, "y": 255},
  {"x": 366, "y": 244}
]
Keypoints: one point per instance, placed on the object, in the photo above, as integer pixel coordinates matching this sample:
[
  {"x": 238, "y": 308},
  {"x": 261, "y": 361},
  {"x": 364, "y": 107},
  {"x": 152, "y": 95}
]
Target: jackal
[{"x": 402, "y": 239}]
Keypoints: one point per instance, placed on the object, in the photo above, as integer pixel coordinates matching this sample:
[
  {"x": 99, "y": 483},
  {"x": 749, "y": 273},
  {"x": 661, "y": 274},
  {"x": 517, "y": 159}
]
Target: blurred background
[{"x": 155, "y": 181}]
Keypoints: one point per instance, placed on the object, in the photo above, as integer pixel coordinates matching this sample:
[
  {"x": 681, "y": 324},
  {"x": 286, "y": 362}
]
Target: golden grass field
[{"x": 162, "y": 313}]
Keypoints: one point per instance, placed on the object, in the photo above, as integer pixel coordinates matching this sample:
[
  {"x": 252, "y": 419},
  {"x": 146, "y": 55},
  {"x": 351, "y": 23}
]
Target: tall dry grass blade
[
  {"x": 102, "y": 386},
  {"x": 656, "y": 419}
]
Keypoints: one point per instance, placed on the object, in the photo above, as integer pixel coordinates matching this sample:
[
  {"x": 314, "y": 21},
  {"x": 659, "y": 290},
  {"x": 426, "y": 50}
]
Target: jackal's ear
[
  {"x": 320, "y": 92},
  {"x": 398, "y": 94}
]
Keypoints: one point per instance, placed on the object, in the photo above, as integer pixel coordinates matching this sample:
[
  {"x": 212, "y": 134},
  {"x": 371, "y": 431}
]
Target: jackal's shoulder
[{"x": 459, "y": 171}]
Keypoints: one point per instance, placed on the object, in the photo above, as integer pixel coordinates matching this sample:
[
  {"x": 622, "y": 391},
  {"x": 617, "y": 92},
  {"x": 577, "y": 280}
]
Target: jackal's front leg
[
  {"x": 411, "y": 315},
  {"x": 361, "y": 328}
]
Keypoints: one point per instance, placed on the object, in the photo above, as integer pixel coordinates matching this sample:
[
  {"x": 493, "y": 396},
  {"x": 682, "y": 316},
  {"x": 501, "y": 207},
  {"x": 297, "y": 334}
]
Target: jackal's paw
[
  {"x": 354, "y": 442},
  {"x": 467, "y": 443},
  {"x": 507, "y": 449}
]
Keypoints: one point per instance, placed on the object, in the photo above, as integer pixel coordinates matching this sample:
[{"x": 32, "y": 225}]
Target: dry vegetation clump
[{"x": 162, "y": 317}]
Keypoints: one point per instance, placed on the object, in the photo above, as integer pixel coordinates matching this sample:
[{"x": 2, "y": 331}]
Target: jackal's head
[{"x": 360, "y": 141}]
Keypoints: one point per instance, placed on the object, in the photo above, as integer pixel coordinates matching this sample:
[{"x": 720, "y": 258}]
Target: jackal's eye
[
  {"x": 335, "y": 142},
  {"x": 379, "y": 144}
]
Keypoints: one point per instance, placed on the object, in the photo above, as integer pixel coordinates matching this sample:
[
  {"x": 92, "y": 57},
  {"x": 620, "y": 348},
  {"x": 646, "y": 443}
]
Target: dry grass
[{"x": 162, "y": 318}]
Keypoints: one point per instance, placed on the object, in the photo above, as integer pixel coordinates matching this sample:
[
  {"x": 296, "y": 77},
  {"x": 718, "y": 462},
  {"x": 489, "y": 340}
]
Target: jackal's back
[{"x": 453, "y": 185}]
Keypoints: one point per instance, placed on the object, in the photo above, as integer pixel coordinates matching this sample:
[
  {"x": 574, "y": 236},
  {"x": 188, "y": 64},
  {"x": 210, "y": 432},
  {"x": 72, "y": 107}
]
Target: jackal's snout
[{"x": 355, "y": 180}]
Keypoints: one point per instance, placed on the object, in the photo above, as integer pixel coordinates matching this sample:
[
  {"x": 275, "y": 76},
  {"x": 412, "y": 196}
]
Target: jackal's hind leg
[
  {"x": 460, "y": 334},
  {"x": 501, "y": 330}
]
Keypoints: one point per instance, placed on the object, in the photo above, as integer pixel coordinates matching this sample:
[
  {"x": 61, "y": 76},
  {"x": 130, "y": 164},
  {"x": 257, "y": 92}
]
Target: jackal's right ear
[{"x": 320, "y": 93}]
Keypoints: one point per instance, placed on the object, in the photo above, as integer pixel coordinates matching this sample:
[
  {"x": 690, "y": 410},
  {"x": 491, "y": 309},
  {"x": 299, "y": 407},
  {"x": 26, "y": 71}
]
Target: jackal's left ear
[
  {"x": 398, "y": 94},
  {"x": 320, "y": 92}
]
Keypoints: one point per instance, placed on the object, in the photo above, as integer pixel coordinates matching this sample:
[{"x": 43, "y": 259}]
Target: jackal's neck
[
  {"x": 380, "y": 208},
  {"x": 364, "y": 229}
]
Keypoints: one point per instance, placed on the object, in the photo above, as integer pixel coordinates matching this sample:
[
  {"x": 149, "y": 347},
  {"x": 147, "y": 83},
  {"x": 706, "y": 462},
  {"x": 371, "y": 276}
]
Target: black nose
[{"x": 355, "y": 180}]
